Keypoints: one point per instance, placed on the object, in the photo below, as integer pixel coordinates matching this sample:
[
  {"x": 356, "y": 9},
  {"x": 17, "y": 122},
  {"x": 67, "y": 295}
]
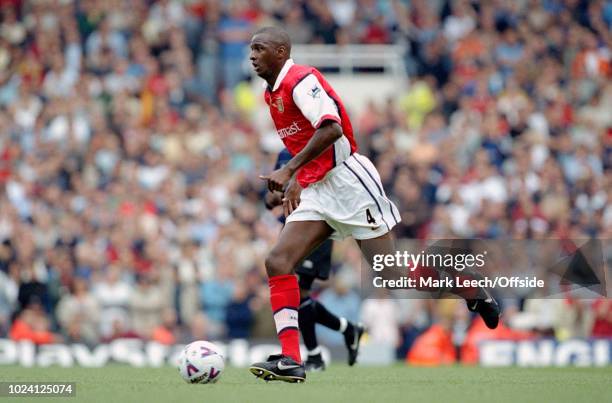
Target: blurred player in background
[{"x": 316, "y": 266}]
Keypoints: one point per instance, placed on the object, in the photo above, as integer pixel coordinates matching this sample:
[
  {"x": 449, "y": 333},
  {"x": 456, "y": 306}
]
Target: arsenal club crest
[{"x": 278, "y": 102}]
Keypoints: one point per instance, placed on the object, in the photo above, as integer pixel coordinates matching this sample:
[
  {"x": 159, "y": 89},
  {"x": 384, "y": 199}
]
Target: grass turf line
[{"x": 117, "y": 384}]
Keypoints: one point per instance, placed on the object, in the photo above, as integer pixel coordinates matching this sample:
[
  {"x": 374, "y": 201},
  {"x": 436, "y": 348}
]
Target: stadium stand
[{"x": 131, "y": 140}]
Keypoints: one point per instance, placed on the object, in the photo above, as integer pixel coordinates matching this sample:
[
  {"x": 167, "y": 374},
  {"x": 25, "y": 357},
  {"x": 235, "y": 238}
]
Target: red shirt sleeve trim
[{"x": 327, "y": 117}]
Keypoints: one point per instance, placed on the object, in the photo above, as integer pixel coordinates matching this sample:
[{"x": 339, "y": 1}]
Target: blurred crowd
[{"x": 131, "y": 142}]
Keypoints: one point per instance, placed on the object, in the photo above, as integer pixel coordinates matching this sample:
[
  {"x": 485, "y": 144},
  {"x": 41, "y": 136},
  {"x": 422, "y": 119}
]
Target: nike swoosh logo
[
  {"x": 473, "y": 307},
  {"x": 283, "y": 367}
]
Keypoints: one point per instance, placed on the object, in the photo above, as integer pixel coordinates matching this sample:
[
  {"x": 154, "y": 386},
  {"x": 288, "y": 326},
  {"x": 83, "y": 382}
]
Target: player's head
[{"x": 270, "y": 48}]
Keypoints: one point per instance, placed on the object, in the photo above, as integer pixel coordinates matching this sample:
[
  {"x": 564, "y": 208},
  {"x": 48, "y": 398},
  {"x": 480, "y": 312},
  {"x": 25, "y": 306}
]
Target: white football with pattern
[{"x": 201, "y": 362}]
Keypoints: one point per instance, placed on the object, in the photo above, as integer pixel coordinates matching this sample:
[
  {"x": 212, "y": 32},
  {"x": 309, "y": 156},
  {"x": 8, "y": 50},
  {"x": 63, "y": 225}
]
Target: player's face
[{"x": 264, "y": 57}]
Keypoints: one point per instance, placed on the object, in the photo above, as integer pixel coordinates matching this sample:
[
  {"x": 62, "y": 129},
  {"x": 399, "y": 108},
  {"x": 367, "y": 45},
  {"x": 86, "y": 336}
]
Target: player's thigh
[
  {"x": 296, "y": 241},
  {"x": 382, "y": 245}
]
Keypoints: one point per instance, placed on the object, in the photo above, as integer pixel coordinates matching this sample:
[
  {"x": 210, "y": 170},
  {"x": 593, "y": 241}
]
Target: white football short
[{"x": 351, "y": 199}]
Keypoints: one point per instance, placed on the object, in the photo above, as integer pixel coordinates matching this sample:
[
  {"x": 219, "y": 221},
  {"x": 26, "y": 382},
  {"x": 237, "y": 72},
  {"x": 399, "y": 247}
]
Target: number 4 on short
[{"x": 369, "y": 217}]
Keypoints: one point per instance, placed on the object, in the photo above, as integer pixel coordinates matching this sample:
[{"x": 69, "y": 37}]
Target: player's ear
[{"x": 281, "y": 50}]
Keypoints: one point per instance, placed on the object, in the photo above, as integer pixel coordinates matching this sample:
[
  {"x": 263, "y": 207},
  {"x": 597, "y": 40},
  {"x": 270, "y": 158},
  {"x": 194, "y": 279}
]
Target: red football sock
[{"x": 285, "y": 300}]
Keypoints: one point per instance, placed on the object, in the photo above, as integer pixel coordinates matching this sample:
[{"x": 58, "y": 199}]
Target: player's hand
[
  {"x": 291, "y": 198},
  {"x": 277, "y": 179},
  {"x": 273, "y": 199}
]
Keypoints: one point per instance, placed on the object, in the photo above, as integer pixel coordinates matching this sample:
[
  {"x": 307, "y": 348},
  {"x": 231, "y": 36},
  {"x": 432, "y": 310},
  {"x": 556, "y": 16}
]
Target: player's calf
[{"x": 307, "y": 321}]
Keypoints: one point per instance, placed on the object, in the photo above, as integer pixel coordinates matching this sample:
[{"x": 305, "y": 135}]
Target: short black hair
[{"x": 277, "y": 35}]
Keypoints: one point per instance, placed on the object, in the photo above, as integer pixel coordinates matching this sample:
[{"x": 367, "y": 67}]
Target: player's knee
[{"x": 277, "y": 265}]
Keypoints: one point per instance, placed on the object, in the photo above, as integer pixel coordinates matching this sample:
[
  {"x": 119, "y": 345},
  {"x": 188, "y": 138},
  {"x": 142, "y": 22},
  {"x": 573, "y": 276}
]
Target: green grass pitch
[{"x": 339, "y": 383}]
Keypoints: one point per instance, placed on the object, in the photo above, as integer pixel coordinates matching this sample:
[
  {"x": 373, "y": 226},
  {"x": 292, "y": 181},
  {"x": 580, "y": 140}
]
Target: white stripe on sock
[
  {"x": 286, "y": 317},
  {"x": 315, "y": 351},
  {"x": 343, "y": 325}
]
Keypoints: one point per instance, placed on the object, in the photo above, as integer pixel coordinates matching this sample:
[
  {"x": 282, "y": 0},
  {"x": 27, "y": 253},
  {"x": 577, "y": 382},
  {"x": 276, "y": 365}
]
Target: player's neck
[
  {"x": 274, "y": 75},
  {"x": 272, "y": 80}
]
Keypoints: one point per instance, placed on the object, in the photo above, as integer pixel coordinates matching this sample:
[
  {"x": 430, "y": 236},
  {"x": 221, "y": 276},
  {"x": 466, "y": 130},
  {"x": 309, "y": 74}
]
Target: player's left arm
[{"x": 320, "y": 109}]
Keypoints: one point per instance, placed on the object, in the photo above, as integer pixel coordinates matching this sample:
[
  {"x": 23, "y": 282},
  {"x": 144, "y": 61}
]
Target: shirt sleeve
[{"x": 316, "y": 105}]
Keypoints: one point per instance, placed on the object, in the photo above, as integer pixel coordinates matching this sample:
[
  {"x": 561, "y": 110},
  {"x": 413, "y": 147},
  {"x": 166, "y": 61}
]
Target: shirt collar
[{"x": 281, "y": 75}]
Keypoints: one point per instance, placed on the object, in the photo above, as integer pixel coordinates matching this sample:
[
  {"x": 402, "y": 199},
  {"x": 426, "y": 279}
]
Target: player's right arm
[
  {"x": 321, "y": 110},
  {"x": 323, "y": 137},
  {"x": 273, "y": 199}
]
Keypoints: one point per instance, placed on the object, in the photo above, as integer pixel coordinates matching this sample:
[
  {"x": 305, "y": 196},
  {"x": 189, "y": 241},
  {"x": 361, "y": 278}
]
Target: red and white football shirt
[{"x": 299, "y": 102}]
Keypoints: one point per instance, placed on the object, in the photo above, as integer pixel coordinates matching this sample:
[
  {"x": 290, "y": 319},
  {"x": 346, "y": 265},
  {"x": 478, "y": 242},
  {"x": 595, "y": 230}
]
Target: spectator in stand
[
  {"x": 380, "y": 316},
  {"x": 113, "y": 295},
  {"x": 326, "y": 28},
  {"x": 216, "y": 294},
  {"x": 32, "y": 324},
  {"x": 602, "y": 326},
  {"x": 239, "y": 317},
  {"x": 8, "y": 296},
  {"x": 234, "y": 34},
  {"x": 167, "y": 331},
  {"x": 79, "y": 313},
  {"x": 146, "y": 306},
  {"x": 198, "y": 329}
]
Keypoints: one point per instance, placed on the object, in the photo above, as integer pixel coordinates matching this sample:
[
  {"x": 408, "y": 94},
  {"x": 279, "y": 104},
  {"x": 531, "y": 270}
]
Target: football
[{"x": 201, "y": 362}]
